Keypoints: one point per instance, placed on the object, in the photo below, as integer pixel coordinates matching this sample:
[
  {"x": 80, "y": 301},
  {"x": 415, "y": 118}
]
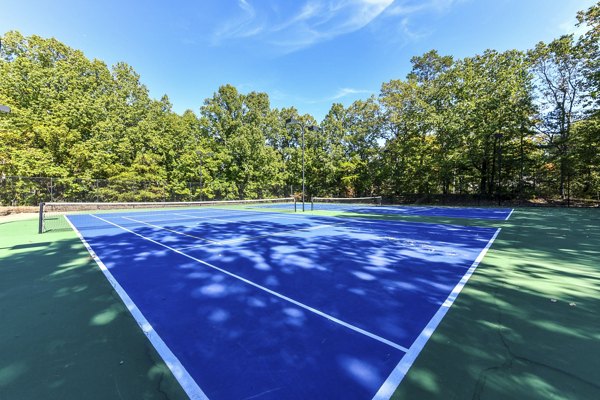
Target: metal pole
[
  {"x": 292, "y": 121},
  {"x": 500, "y": 172},
  {"x": 302, "y": 126},
  {"x": 41, "y": 219},
  {"x": 199, "y": 154},
  {"x": 3, "y": 108},
  {"x": 498, "y": 137}
]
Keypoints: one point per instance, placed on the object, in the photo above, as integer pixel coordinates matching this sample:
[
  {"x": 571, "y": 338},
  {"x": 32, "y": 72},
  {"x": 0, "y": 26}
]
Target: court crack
[
  {"x": 162, "y": 375},
  {"x": 512, "y": 357}
]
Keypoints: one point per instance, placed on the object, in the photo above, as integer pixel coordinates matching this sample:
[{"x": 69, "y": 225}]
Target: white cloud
[
  {"x": 569, "y": 27},
  {"x": 411, "y": 20},
  {"x": 408, "y": 7},
  {"x": 409, "y": 32},
  {"x": 244, "y": 24},
  {"x": 308, "y": 23},
  {"x": 340, "y": 94},
  {"x": 294, "y": 25},
  {"x": 348, "y": 91}
]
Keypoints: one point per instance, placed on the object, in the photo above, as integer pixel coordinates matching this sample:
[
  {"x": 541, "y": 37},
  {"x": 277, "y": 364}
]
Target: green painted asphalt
[
  {"x": 64, "y": 332},
  {"x": 526, "y": 325}
]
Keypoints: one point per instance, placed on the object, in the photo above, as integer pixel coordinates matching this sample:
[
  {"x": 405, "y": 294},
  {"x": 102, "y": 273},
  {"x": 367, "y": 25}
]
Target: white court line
[
  {"x": 256, "y": 285},
  {"x": 202, "y": 215},
  {"x": 508, "y": 216},
  {"x": 240, "y": 240},
  {"x": 185, "y": 217},
  {"x": 230, "y": 241},
  {"x": 170, "y": 230},
  {"x": 393, "y": 381},
  {"x": 165, "y": 215},
  {"x": 355, "y": 220},
  {"x": 145, "y": 212},
  {"x": 186, "y": 381},
  {"x": 238, "y": 222},
  {"x": 242, "y": 215},
  {"x": 247, "y": 239},
  {"x": 235, "y": 221},
  {"x": 307, "y": 215}
]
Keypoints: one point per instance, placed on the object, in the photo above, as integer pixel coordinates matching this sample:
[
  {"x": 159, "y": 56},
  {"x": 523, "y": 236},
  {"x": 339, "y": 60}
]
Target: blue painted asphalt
[
  {"x": 425, "y": 211},
  {"x": 238, "y": 341}
]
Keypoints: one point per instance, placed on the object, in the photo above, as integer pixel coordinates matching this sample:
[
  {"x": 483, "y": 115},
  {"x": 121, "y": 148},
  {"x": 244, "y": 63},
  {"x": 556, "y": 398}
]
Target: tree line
[{"x": 508, "y": 125}]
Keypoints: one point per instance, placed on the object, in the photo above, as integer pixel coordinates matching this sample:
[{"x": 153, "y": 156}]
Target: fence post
[{"x": 41, "y": 219}]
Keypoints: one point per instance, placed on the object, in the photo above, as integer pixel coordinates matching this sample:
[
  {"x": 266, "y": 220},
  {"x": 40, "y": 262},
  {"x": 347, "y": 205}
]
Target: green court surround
[{"x": 525, "y": 326}]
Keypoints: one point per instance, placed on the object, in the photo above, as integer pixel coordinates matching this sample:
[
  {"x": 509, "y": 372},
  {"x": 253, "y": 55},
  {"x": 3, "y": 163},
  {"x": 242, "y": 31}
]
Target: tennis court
[{"x": 247, "y": 303}]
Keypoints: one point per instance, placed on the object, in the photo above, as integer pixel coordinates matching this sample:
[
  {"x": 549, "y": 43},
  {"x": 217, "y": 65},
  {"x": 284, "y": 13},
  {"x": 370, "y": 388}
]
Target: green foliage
[
  {"x": 509, "y": 124},
  {"x": 590, "y": 46},
  {"x": 558, "y": 67},
  {"x": 239, "y": 128}
]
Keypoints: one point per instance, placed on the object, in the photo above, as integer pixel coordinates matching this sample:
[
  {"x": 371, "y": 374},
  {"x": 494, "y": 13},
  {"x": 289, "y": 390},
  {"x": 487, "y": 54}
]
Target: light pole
[
  {"x": 499, "y": 137},
  {"x": 293, "y": 121},
  {"x": 3, "y": 108}
]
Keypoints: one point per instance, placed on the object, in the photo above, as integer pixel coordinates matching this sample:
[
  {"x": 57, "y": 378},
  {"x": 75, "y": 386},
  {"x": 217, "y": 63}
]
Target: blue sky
[{"x": 303, "y": 53}]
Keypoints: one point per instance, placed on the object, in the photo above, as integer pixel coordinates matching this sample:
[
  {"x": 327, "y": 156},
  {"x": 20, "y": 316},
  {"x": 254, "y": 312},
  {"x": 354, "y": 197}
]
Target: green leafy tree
[
  {"x": 558, "y": 67},
  {"x": 493, "y": 124},
  {"x": 240, "y": 127},
  {"x": 590, "y": 45}
]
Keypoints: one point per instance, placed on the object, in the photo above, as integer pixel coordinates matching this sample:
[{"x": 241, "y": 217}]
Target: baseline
[{"x": 509, "y": 214}]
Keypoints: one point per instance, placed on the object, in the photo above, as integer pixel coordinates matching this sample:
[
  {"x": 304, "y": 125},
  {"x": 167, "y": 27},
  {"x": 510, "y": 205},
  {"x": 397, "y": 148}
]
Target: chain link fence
[{"x": 30, "y": 191}]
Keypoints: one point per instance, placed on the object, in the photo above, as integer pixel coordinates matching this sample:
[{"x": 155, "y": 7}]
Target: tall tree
[
  {"x": 409, "y": 145},
  {"x": 349, "y": 146},
  {"x": 558, "y": 67},
  {"x": 590, "y": 45},
  {"x": 239, "y": 127}
]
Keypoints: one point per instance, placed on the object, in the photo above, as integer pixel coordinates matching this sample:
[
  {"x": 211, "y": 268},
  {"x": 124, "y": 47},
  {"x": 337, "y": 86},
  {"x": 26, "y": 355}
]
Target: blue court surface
[
  {"x": 424, "y": 211},
  {"x": 245, "y": 305}
]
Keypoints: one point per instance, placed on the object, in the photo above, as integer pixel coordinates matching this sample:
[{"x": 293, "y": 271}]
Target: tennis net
[
  {"x": 343, "y": 203},
  {"x": 51, "y": 215}
]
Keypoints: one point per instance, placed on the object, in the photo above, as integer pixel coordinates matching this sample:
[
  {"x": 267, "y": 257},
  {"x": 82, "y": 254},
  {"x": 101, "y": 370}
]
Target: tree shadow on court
[
  {"x": 472, "y": 213},
  {"x": 526, "y": 326},
  {"x": 65, "y": 334},
  {"x": 226, "y": 331},
  {"x": 386, "y": 278}
]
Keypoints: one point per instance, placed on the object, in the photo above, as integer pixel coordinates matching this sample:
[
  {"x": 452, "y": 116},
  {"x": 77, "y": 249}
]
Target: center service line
[
  {"x": 256, "y": 285},
  {"x": 232, "y": 241}
]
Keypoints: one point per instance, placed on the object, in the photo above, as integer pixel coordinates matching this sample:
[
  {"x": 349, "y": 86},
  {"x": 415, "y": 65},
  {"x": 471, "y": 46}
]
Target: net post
[
  {"x": 312, "y": 204},
  {"x": 41, "y": 218},
  {"x": 378, "y": 201},
  {"x": 295, "y": 204}
]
